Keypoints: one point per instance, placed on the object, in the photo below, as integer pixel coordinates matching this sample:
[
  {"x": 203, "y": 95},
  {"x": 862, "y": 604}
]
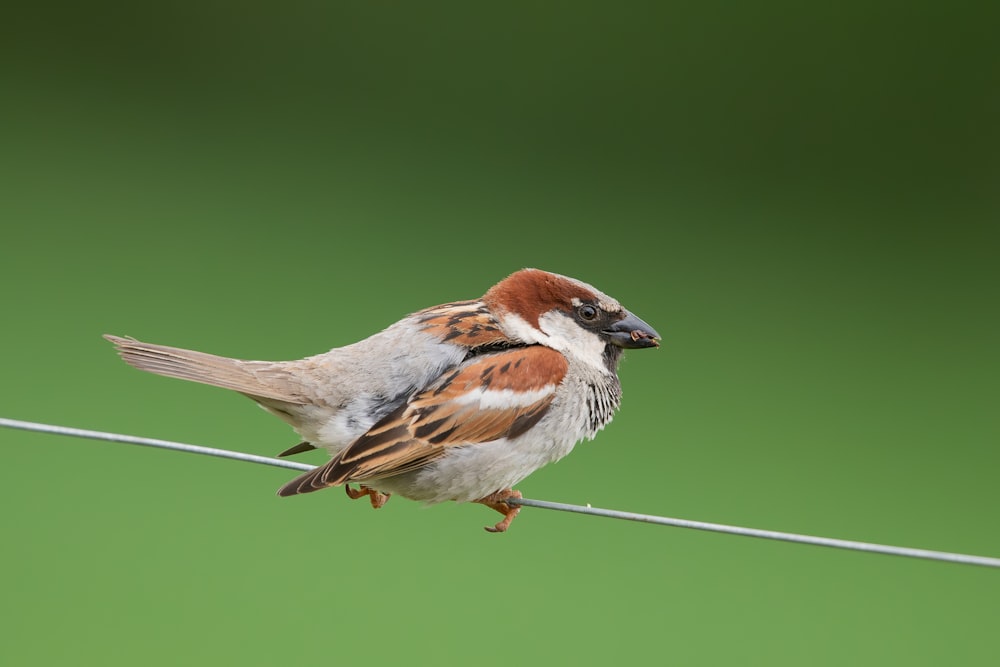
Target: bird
[{"x": 456, "y": 402}]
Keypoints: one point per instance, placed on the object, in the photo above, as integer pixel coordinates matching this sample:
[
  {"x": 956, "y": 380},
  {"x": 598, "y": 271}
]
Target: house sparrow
[{"x": 456, "y": 402}]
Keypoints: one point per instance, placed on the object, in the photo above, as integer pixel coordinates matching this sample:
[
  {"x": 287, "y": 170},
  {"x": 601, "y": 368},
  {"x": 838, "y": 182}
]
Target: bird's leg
[
  {"x": 377, "y": 498},
  {"x": 497, "y": 501}
]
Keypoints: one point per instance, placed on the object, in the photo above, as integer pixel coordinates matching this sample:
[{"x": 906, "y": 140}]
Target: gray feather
[{"x": 257, "y": 379}]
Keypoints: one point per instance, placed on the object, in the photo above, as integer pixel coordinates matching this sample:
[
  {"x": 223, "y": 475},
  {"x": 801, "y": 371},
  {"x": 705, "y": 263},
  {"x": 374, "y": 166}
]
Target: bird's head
[{"x": 568, "y": 315}]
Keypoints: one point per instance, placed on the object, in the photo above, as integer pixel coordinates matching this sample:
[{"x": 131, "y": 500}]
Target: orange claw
[
  {"x": 377, "y": 498},
  {"x": 497, "y": 502}
]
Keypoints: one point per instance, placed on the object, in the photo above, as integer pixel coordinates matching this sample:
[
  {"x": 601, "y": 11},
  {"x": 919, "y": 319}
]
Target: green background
[{"x": 803, "y": 200}]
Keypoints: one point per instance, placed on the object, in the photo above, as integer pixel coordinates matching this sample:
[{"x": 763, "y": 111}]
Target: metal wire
[
  {"x": 766, "y": 534},
  {"x": 852, "y": 545},
  {"x": 152, "y": 442}
]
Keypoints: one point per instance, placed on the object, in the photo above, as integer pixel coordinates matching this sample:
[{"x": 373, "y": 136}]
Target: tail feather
[
  {"x": 297, "y": 449},
  {"x": 254, "y": 378}
]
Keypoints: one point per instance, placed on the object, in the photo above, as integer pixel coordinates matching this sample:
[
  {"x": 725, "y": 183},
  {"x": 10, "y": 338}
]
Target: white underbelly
[{"x": 474, "y": 471}]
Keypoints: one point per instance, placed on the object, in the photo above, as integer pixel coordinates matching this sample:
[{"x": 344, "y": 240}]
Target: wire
[
  {"x": 765, "y": 534},
  {"x": 852, "y": 545},
  {"x": 153, "y": 442}
]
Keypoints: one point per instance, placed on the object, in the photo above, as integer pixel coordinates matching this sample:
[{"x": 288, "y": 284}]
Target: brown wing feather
[
  {"x": 443, "y": 416},
  {"x": 466, "y": 323}
]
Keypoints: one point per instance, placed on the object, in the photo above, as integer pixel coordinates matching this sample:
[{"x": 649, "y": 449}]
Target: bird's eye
[{"x": 587, "y": 312}]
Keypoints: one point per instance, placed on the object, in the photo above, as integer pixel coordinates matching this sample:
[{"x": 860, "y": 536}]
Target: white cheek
[
  {"x": 517, "y": 327},
  {"x": 571, "y": 339}
]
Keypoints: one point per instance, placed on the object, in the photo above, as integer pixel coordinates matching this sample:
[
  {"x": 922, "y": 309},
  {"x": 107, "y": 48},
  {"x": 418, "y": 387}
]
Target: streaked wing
[
  {"x": 492, "y": 396},
  {"x": 467, "y": 323}
]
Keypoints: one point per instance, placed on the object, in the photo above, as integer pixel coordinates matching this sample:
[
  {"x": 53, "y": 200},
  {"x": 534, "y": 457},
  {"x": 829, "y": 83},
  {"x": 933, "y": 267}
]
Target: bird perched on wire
[{"x": 456, "y": 402}]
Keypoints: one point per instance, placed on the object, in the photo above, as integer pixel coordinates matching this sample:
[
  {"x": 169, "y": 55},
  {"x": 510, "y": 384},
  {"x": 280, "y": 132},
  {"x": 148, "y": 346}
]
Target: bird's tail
[{"x": 257, "y": 379}]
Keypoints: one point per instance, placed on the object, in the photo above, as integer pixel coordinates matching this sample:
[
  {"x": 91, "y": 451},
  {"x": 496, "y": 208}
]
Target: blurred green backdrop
[{"x": 802, "y": 199}]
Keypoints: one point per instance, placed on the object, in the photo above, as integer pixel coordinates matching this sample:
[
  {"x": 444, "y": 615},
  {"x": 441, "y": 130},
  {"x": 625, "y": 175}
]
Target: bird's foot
[
  {"x": 377, "y": 498},
  {"x": 497, "y": 501}
]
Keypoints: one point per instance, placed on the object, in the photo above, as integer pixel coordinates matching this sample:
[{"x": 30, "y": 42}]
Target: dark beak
[{"x": 631, "y": 332}]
